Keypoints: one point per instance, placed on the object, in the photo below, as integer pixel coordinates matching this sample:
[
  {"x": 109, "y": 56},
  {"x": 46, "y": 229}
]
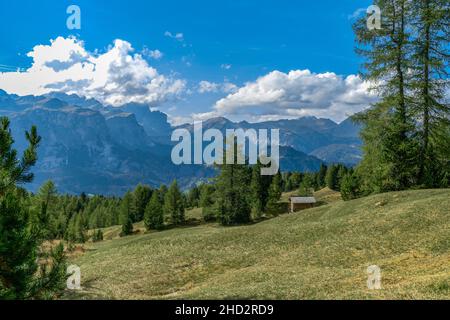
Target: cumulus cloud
[
  {"x": 298, "y": 93},
  {"x": 226, "y": 66},
  {"x": 114, "y": 77}
]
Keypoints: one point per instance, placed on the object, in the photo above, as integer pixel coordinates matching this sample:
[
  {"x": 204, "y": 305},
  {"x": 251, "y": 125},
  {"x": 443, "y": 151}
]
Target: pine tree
[
  {"x": 126, "y": 213},
  {"x": 206, "y": 202},
  {"x": 173, "y": 204},
  {"x": 256, "y": 188},
  {"x": 431, "y": 63},
  {"x": 46, "y": 197},
  {"x": 22, "y": 276},
  {"x": 388, "y": 126},
  {"x": 141, "y": 197},
  {"x": 233, "y": 200},
  {"x": 306, "y": 188},
  {"x": 332, "y": 177},
  {"x": 274, "y": 194},
  {"x": 193, "y": 197},
  {"x": 154, "y": 214},
  {"x": 321, "y": 176},
  {"x": 350, "y": 188}
]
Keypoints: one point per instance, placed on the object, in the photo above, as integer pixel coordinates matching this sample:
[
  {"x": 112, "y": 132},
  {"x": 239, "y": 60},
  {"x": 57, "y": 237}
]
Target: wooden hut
[{"x": 301, "y": 203}]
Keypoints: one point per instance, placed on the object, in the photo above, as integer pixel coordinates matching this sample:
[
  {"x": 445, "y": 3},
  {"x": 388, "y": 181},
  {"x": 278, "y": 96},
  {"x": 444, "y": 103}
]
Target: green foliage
[
  {"x": 306, "y": 189},
  {"x": 274, "y": 194},
  {"x": 350, "y": 186},
  {"x": 257, "y": 194},
  {"x": 173, "y": 205},
  {"x": 406, "y": 132},
  {"x": 141, "y": 197},
  {"x": 76, "y": 231},
  {"x": 206, "y": 202},
  {"x": 321, "y": 176},
  {"x": 26, "y": 271},
  {"x": 332, "y": 178},
  {"x": 233, "y": 200},
  {"x": 97, "y": 235},
  {"x": 193, "y": 197},
  {"x": 154, "y": 214},
  {"x": 43, "y": 221},
  {"x": 126, "y": 214}
]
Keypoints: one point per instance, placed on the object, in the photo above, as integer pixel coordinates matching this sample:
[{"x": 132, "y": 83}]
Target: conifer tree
[
  {"x": 46, "y": 197},
  {"x": 332, "y": 179},
  {"x": 173, "y": 204},
  {"x": 141, "y": 197},
  {"x": 388, "y": 126},
  {"x": 22, "y": 274},
  {"x": 257, "y": 195},
  {"x": 350, "y": 187},
  {"x": 154, "y": 214},
  {"x": 306, "y": 188},
  {"x": 233, "y": 196},
  {"x": 321, "y": 176},
  {"x": 126, "y": 213},
  {"x": 431, "y": 58},
  {"x": 275, "y": 192}
]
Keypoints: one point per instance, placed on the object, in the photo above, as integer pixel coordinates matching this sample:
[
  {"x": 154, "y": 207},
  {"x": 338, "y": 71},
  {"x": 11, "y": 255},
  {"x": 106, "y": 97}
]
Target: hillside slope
[{"x": 321, "y": 253}]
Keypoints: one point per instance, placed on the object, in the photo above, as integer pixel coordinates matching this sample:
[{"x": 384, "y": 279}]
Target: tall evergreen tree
[
  {"x": 193, "y": 197},
  {"x": 173, "y": 204},
  {"x": 256, "y": 189},
  {"x": 233, "y": 200},
  {"x": 141, "y": 197},
  {"x": 154, "y": 214},
  {"x": 388, "y": 125},
  {"x": 431, "y": 58},
  {"x": 306, "y": 188},
  {"x": 26, "y": 272},
  {"x": 321, "y": 176},
  {"x": 46, "y": 197},
  {"x": 275, "y": 192},
  {"x": 126, "y": 214},
  {"x": 331, "y": 178}
]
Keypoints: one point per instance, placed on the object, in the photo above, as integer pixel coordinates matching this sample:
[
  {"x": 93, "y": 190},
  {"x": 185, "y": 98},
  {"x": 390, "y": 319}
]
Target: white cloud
[
  {"x": 154, "y": 54},
  {"x": 298, "y": 93},
  {"x": 226, "y": 66},
  {"x": 177, "y": 36},
  {"x": 114, "y": 77},
  {"x": 225, "y": 87},
  {"x": 206, "y": 86}
]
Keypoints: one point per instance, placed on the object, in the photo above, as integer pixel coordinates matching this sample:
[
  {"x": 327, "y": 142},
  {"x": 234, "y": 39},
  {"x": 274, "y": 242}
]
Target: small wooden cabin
[{"x": 301, "y": 203}]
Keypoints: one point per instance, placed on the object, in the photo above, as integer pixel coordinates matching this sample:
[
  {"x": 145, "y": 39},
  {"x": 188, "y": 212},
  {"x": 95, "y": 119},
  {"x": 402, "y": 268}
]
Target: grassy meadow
[{"x": 320, "y": 253}]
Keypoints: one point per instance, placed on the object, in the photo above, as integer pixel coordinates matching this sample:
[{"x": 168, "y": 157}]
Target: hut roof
[{"x": 302, "y": 200}]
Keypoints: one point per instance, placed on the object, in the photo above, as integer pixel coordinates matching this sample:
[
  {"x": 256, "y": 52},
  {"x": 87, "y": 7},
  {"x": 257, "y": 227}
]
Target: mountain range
[{"x": 93, "y": 148}]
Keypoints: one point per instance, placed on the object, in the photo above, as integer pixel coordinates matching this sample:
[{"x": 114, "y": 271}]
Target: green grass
[{"x": 321, "y": 253}]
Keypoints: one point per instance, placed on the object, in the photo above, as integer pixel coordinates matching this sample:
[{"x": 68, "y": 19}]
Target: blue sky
[{"x": 219, "y": 42}]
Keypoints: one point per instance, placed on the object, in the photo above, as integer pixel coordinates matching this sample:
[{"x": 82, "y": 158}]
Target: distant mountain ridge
[{"x": 88, "y": 147}]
